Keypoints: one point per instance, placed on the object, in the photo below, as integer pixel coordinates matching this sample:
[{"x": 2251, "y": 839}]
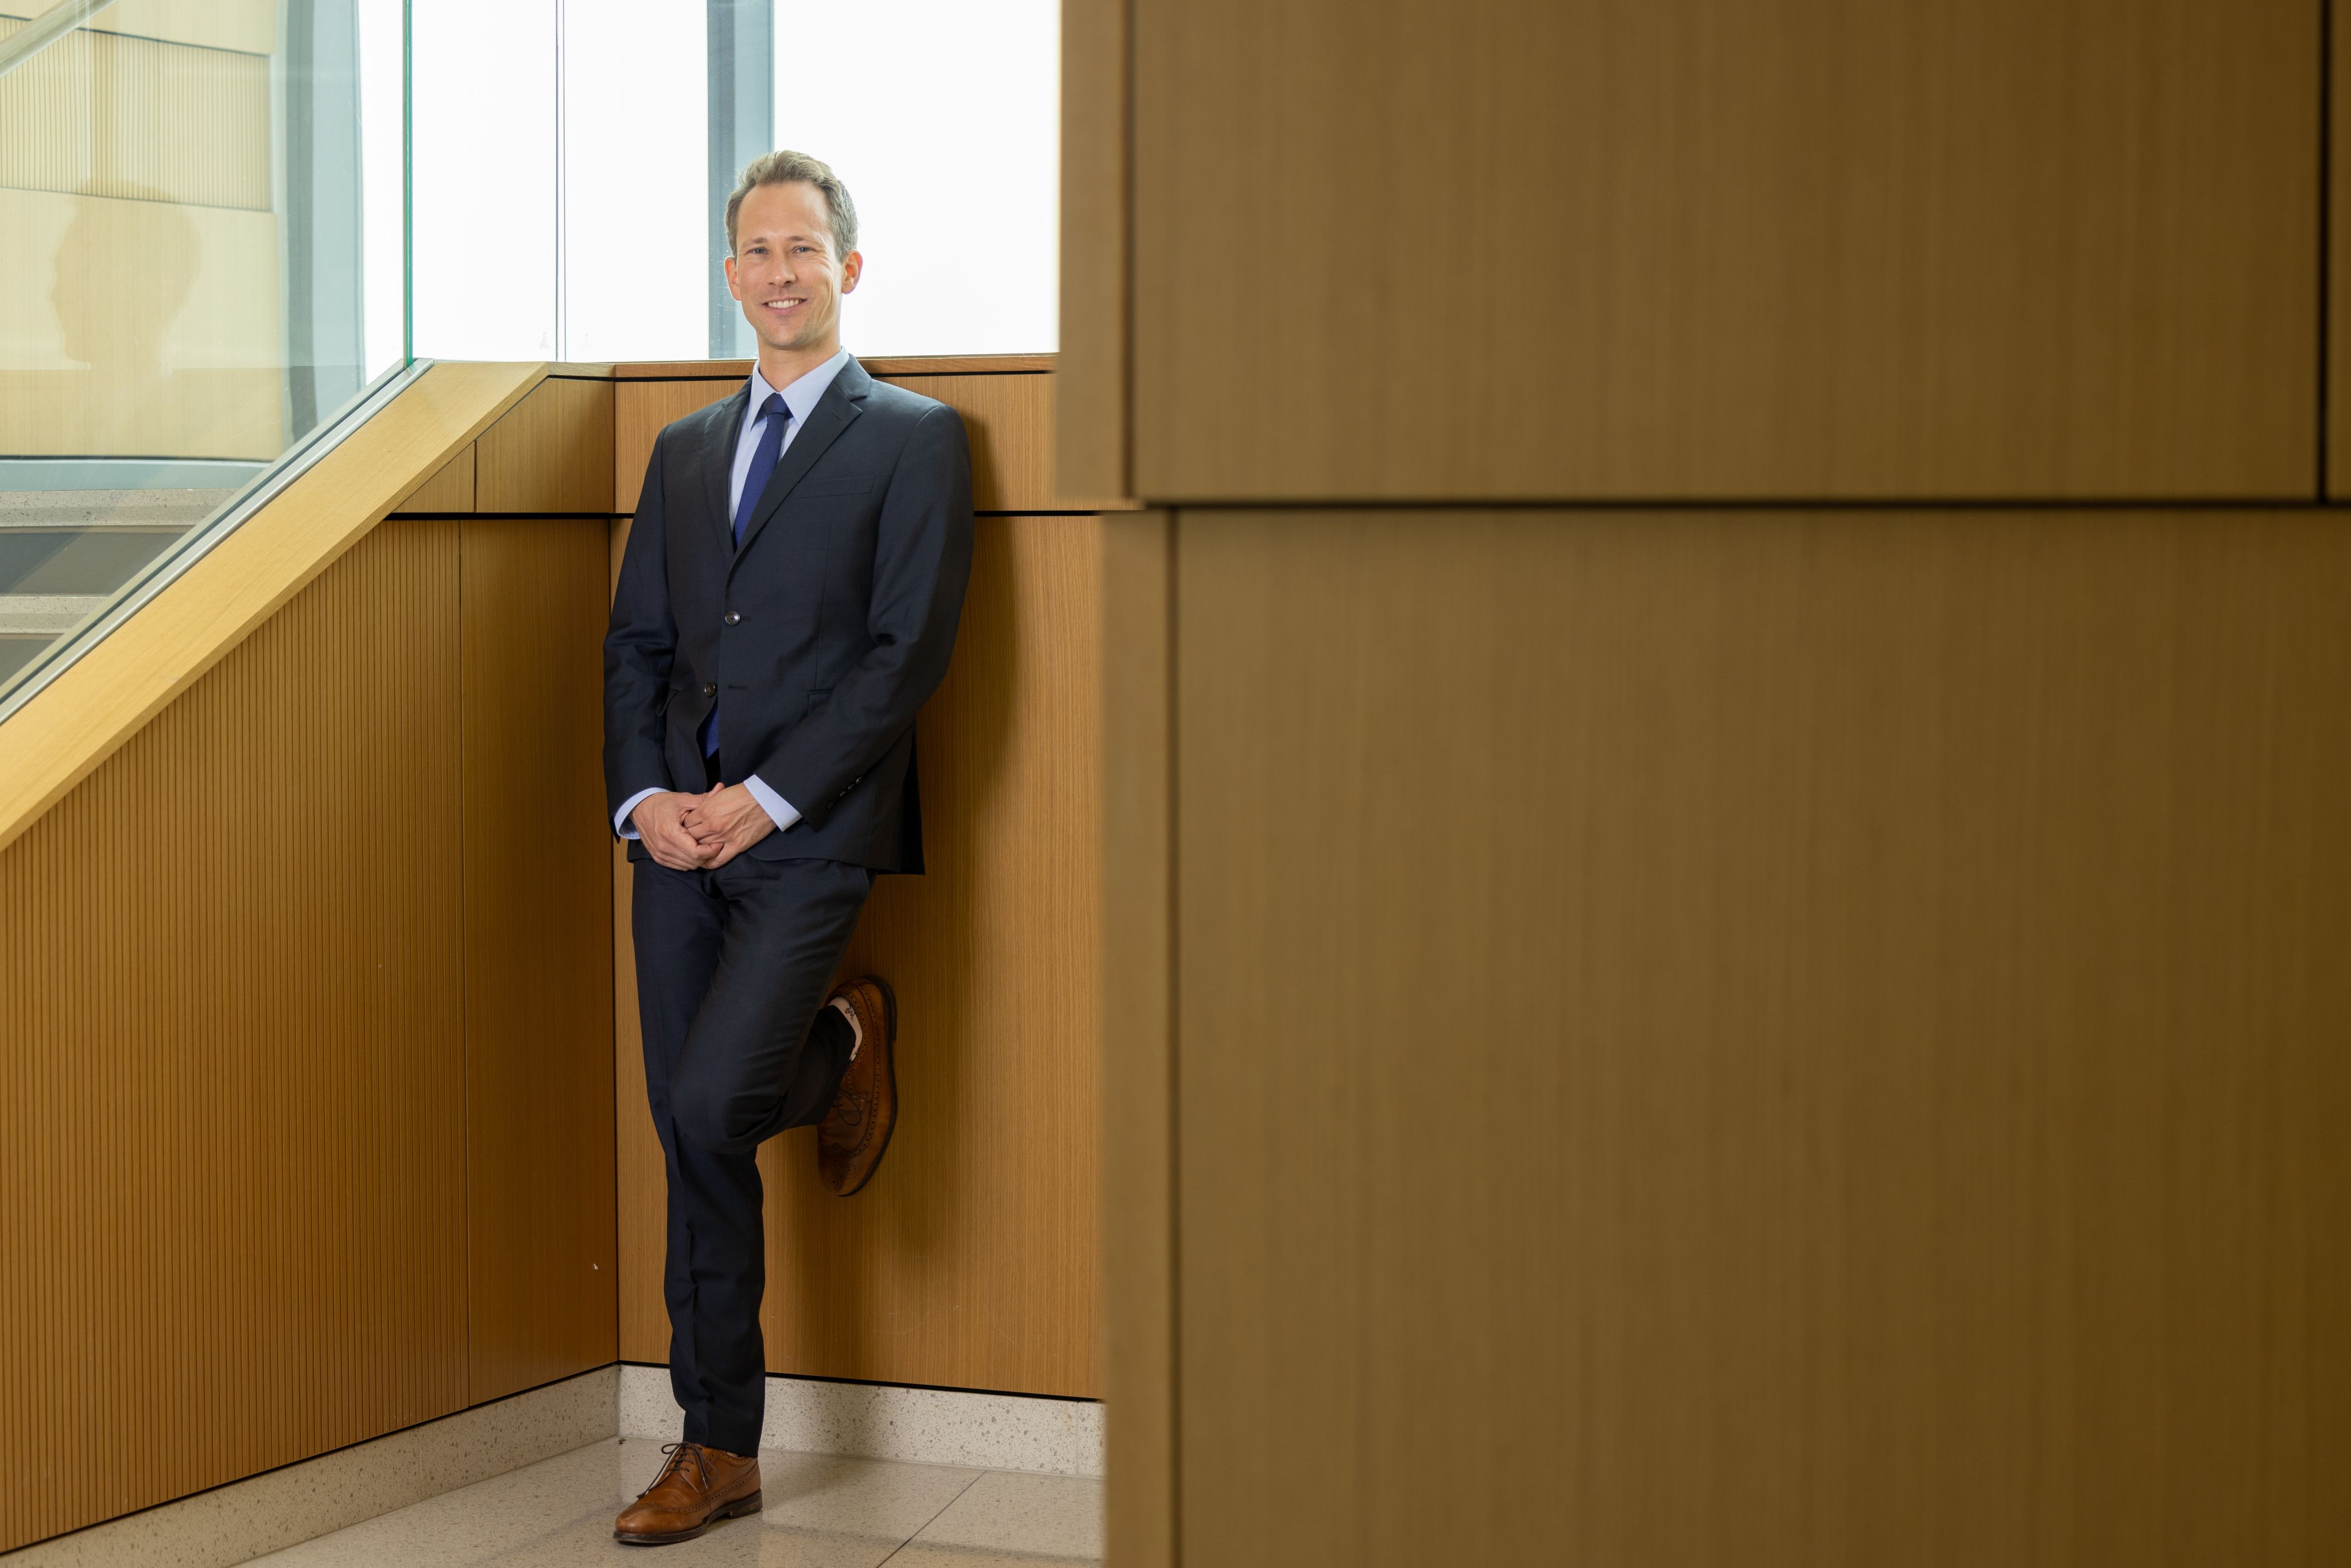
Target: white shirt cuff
[
  {"x": 779, "y": 810},
  {"x": 620, "y": 818}
]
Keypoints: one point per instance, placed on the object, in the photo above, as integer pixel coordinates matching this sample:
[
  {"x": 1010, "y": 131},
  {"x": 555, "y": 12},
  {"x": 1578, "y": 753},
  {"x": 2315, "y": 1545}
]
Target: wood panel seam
[{"x": 1174, "y": 1051}]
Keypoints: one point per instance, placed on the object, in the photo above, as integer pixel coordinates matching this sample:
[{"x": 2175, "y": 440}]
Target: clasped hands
[{"x": 701, "y": 832}]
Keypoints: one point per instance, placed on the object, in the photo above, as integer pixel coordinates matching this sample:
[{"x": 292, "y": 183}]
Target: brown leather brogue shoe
[
  {"x": 696, "y": 1488},
  {"x": 851, "y": 1139}
]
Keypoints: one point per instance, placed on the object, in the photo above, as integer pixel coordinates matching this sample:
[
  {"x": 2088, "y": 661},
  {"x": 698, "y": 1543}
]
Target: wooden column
[{"x": 1724, "y": 868}]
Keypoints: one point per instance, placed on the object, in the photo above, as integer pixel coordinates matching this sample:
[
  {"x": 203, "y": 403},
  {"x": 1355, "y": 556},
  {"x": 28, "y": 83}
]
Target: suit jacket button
[
  {"x": 732, "y": 617},
  {"x": 710, "y": 691}
]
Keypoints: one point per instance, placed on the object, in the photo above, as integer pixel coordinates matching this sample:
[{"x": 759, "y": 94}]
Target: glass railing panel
[
  {"x": 64, "y": 553},
  {"x": 195, "y": 273},
  {"x": 76, "y": 584}
]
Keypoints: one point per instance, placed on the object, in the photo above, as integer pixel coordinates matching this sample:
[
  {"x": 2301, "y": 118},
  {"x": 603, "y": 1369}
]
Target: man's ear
[
  {"x": 853, "y": 267},
  {"x": 731, "y": 287}
]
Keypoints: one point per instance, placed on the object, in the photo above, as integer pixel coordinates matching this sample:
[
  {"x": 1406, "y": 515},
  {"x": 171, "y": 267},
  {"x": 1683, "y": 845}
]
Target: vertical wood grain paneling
[
  {"x": 2337, "y": 344},
  {"x": 971, "y": 1261},
  {"x": 451, "y": 489},
  {"x": 231, "y": 1087},
  {"x": 1092, "y": 429},
  {"x": 642, "y": 1221},
  {"x": 1763, "y": 1037},
  {"x": 640, "y": 410},
  {"x": 1009, "y": 422},
  {"x": 641, "y": 1182},
  {"x": 553, "y": 452},
  {"x": 1138, "y": 1123},
  {"x": 2036, "y": 248},
  {"x": 539, "y": 980}
]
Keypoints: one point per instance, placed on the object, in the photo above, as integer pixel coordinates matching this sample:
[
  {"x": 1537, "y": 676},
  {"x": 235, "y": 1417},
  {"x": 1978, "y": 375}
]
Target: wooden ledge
[{"x": 898, "y": 365}]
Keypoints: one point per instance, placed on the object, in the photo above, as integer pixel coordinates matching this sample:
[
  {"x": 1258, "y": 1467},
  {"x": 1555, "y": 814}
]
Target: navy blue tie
[
  {"x": 763, "y": 467},
  {"x": 763, "y": 461}
]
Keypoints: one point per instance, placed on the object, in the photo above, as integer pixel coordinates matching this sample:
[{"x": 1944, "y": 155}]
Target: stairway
[{"x": 63, "y": 553}]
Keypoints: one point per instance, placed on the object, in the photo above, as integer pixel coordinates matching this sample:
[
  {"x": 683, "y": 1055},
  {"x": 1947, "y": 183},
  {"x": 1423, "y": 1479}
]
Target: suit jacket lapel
[
  {"x": 834, "y": 413},
  {"x": 718, "y": 467}
]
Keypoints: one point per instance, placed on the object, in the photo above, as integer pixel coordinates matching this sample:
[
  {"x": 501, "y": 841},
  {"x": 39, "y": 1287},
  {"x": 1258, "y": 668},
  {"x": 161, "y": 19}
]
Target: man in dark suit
[{"x": 787, "y": 601}]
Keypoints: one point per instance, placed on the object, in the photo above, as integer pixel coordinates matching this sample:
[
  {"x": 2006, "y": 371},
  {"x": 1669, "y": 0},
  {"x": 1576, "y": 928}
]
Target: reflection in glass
[{"x": 183, "y": 297}]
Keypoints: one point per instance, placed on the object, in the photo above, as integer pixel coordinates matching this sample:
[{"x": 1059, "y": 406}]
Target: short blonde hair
[{"x": 784, "y": 168}]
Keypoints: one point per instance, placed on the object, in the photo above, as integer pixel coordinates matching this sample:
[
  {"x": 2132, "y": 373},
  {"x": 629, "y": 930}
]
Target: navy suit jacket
[{"x": 818, "y": 639}]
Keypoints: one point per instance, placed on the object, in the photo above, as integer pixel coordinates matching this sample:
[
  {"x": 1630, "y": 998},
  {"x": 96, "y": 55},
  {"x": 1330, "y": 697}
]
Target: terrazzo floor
[{"x": 822, "y": 1512}]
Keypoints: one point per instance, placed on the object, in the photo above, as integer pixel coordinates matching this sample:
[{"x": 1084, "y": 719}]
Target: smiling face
[{"x": 785, "y": 272}]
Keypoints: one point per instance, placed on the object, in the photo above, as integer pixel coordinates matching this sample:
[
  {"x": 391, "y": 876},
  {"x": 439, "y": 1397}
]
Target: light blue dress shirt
[{"x": 800, "y": 399}]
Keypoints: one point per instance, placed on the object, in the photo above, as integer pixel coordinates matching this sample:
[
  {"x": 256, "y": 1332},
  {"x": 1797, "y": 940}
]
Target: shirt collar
[{"x": 802, "y": 395}]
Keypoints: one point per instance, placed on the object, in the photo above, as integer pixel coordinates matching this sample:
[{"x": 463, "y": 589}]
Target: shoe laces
[{"x": 678, "y": 1454}]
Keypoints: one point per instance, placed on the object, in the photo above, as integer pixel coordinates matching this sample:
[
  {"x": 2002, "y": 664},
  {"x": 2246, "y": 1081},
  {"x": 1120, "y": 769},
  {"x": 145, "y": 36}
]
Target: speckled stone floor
[{"x": 822, "y": 1512}]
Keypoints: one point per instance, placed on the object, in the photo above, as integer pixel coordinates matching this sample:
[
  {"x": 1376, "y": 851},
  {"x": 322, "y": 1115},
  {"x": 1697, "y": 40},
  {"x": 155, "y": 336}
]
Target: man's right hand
[{"x": 656, "y": 820}]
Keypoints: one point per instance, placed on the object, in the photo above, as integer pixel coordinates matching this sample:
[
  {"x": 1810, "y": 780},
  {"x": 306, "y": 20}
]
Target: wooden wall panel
[
  {"x": 640, "y": 1181},
  {"x": 1090, "y": 429},
  {"x": 231, "y": 1070},
  {"x": 539, "y": 980},
  {"x": 1007, "y": 415},
  {"x": 2337, "y": 345},
  {"x": 642, "y": 1218},
  {"x": 1763, "y": 1037},
  {"x": 640, "y": 410},
  {"x": 971, "y": 1259},
  {"x": 451, "y": 489},
  {"x": 2037, "y": 248},
  {"x": 552, "y": 453},
  {"x": 1138, "y": 1123},
  {"x": 1009, "y": 422}
]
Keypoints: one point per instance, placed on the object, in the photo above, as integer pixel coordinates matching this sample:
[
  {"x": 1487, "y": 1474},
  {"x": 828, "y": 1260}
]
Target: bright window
[
  {"x": 943, "y": 116},
  {"x": 561, "y": 171}
]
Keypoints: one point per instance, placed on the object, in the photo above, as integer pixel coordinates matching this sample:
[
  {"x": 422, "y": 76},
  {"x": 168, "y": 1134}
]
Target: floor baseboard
[
  {"x": 234, "y": 1523},
  {"x": 281, "y": 1507},
  {"x": 883, "y": 1421}
]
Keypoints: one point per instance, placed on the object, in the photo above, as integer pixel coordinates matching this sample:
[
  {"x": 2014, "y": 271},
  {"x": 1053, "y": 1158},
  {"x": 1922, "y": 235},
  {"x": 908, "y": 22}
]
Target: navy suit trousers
[{"x": 732, "y": 969}]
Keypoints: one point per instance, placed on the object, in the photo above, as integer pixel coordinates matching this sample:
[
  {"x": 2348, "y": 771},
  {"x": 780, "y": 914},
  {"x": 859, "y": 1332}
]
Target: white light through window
[
  {"x": 482, "y": 127},
  {"x": 636, "y": 141},
  {"x": 943, "y": 117}
]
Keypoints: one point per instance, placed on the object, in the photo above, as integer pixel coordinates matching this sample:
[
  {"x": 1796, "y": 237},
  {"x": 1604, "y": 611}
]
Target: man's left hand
[{"x": 729, "y": 821}]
